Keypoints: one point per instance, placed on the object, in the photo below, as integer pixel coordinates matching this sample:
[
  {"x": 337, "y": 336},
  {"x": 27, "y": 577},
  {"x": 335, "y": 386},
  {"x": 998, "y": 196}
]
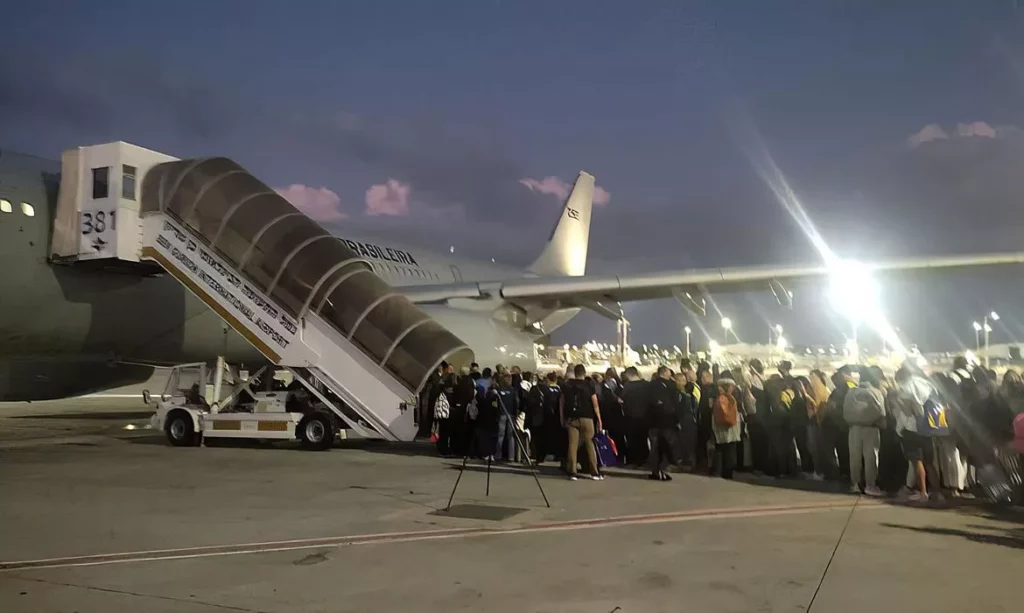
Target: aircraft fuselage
[{"x": 76, "y": 328}]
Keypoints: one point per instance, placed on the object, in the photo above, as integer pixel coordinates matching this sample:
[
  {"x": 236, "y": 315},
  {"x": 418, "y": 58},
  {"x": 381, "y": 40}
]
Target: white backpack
[{"x": 441, "y": 407}]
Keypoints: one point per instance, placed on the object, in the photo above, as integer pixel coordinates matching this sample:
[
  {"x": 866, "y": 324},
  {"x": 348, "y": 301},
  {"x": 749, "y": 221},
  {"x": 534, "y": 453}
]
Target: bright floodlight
[
  {"x": 853, "y": 292},
  {"x": 994, "y": 316},
  {"x": 714, "y": 346},
  {"x": 726, "y": 323},
  {"x": 687, "y": 329},
  {"x": 782, "y": 343},
  {"x": 977, "y": 327},
  {"x": 988, "y": 328},
  {"x": 778, "y": 328}
]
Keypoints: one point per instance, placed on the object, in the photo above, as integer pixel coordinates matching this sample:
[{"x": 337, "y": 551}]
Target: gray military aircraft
[{"x": 74, "y": 327}]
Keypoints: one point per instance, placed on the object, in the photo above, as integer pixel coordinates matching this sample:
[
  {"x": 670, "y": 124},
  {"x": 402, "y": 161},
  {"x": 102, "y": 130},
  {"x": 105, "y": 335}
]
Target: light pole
[
  {"x": 727, "y": 326},
  {"x": 987, "y": 328},
  {"x": 977, "y": 337},
  {"x": 687, "y": 331}
]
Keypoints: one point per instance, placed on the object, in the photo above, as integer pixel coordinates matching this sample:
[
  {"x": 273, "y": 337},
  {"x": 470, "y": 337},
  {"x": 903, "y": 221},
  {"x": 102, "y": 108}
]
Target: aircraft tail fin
[{"x": 565, "y": 254}]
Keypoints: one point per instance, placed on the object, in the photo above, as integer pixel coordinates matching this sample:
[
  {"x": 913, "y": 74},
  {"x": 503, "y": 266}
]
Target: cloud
[
  {"x": 321, "y": 204},
  {"x": 554, "y": 186},
  {"x": 976, "y": 128},
  {"x": 548, "y": 185},
  {"x": 934, "y": 132},
  {"x": 390, "y": 199},
  {"x": 930, "y": 132}
]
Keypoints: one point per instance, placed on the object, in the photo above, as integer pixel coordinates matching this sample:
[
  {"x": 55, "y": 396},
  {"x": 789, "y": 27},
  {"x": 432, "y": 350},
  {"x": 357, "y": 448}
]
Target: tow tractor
[{"x": 184, "y": 414}]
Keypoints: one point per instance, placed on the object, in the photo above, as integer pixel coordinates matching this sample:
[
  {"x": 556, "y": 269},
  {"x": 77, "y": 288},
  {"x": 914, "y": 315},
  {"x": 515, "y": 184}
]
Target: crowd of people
[{"x": 937, "y": 434}]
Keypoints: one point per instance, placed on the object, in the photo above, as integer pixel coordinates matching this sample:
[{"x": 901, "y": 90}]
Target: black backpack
[{"x": 577, "y": 394}]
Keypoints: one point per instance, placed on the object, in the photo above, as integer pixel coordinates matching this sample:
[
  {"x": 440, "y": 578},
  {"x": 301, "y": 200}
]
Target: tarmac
[{"x": 97, "y": 517}]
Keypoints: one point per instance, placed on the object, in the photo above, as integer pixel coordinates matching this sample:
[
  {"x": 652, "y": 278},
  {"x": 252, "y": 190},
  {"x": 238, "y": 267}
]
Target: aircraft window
[
  {"x": 5, "y": 206},
  {"x": 27, "y": 209},
  {"x": 127, "y": 182},
  {"x": 100, "y": 182}
]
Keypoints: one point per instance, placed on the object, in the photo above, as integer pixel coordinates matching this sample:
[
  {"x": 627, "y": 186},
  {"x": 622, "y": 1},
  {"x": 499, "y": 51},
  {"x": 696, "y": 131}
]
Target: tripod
[{"x": 519, "y": 443}]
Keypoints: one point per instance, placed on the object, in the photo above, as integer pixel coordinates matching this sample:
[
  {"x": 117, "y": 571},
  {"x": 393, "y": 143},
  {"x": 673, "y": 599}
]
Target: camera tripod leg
[{"x": 488, "y": 491}]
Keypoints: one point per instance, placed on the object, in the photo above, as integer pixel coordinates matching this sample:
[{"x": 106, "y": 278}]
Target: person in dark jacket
[
  {"x": 465, "y": 393},
  {"x": 551, "y": 437},
  {"x": 445, "y": 427},
  {"x": 662, "y": 415},
  {"x": 705, "y": 436},
  {"x": 427, "y": 399},
  {"x": 611, "y": 411},
  {"x": 689, "y": 401},
  {"x": 505, "y": 447},
  {"x": 486, "y": 427},
  {"x": 634, "y": 405},
  {"x": 835, "y": 430}
]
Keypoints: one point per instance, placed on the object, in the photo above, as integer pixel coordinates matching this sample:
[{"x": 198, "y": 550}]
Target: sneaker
[
  {"x": 573, "y": 478},
  {"x": 917, "y": 497},
  {"x": 816, "y": 477},
  {"x": 854, "y": 489},
  {"x": 654, "y": 477},
  {"x": 597, "y": 477},
  {"x": 873, "y": 491},
  {"x": 665, "y": 477}
]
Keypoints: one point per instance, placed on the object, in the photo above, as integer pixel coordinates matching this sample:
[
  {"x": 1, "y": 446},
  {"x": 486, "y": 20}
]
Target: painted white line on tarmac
[
  {"x": 102, "y": 395},
  {"x": 155, "y": 555}
]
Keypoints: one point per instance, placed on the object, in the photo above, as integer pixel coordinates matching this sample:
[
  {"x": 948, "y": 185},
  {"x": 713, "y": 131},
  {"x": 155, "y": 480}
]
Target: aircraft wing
[{"x": 594, "y": 291}]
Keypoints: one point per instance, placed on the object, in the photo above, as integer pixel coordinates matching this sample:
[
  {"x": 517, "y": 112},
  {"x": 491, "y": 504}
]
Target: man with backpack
[
  {"x": 578, "y": 411},
  {"x": 864, "y": 411}
]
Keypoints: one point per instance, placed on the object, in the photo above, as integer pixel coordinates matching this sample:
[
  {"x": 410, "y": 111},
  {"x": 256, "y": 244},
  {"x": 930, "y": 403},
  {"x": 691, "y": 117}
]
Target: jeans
[
  {"x": 581, "y": 428},
  {"x": 864, "y": 444},
  {"x": 505, "y": 427}
]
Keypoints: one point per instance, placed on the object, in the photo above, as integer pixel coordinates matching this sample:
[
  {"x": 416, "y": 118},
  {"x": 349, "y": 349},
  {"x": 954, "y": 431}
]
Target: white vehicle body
[{"x": 189, "y": 419}]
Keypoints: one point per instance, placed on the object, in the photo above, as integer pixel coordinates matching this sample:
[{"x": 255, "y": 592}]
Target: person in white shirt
[{"x": 908, "y": 406}]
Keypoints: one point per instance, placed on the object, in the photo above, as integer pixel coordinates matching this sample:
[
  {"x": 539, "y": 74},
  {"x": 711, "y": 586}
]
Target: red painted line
[{"x": 423, "y": 535}]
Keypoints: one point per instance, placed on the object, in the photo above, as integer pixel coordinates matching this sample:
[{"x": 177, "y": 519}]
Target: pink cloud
[
  {"x": 391, "y": 198},
  {"x": 321, "y": 204},
  {"x": 930, "y": 132},
  {"x": 554, "y": 186},
  {"x": 975, "y": 128},
  {"x": 548, "y": 185},
  {"x": 934, "y": 131}
]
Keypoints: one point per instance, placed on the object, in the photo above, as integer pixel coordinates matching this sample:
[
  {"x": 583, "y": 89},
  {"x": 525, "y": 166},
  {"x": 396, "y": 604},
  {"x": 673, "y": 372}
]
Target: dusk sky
[{"x": 897, "y": 124}]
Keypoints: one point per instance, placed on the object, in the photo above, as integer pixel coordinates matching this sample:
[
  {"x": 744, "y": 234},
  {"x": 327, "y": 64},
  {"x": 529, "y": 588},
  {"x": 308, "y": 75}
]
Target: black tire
[
  {"x": 179, "y": 429},
  {"x": 316, "y": 432}
]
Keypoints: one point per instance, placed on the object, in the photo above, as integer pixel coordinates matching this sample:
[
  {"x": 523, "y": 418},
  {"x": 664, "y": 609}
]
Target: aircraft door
[{"x": 456, "y": 273}]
